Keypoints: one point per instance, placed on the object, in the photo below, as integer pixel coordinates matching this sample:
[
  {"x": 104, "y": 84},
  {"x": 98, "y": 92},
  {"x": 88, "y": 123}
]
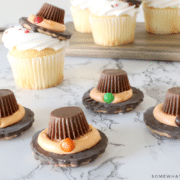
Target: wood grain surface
[{"x": 146, "y": 46}]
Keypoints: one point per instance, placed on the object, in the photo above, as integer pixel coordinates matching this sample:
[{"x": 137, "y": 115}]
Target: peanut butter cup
[
  {"x": 69, "y": 136},
  {"x": 113, "y": 81},
  {"x": 14, "y": 118},
  {"x": 113, "y": 94},
  {"x": 171, "y": 104},
  {"x": 67, "y": 122},
  {"x": 8, "y": 103},
  {"x": 51, "y": 12},
  {"x": 167, "y": 121}
]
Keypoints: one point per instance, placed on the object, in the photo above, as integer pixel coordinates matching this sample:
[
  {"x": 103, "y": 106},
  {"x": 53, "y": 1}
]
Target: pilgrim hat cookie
[
  {"x": 14, "y": 118},
  {"x": 113, "y": 94},
  {"x": 49, "y": 20},
  {"x": 69, "y": 140},
  {"x": 164, "y": 119}
]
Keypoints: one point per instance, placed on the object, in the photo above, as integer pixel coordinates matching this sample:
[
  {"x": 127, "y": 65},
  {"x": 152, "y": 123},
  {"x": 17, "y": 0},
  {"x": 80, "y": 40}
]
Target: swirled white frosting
[
  {"x": 111, "y": 8},
  {"x": 81, "y": 4},
  {"x": 17, "y": 37},
  {"x": 162, "y": 3}
]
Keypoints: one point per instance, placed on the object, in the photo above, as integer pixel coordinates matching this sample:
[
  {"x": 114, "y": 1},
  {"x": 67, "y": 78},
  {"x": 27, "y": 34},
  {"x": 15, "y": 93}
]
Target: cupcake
[
  {"x": 162, "y": 17},
  {"x": 113, "y": 94},
  {"x": 80, "y": 14},
  {"x": 69, "y": 140},
  {"x": 113, "y": 22},
  {"x": 164, "y": 119},
  {"x": 37, "y": 50},
  {"x": 14, "y": 118}
]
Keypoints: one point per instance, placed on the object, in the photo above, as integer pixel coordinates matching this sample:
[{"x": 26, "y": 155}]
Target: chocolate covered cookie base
[
  {"x": 21, "y": 126},
  {"x": 68, "y": 160},
  {"x": 113, "y": 108},
  {"x": 160, "y": 128},
  {"x": 60, "y": 35}
]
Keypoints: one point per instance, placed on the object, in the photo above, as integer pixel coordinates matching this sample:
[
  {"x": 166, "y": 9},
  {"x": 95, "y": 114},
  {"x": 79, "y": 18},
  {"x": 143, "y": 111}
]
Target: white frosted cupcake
[
  {"x": 112, "y": 22},
  {"x": 162, "y": 16},
  {"x": 37, "y": 60},
  {"x": 80, "y": 13}
]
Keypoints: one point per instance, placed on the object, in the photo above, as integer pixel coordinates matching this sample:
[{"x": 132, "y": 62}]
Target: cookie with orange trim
[
  {"x": 69, "y": 140},
  {"x": 49, "y": 20},
  {"x": 14, "y": 118},
  {"x": 164, "y": 119}
]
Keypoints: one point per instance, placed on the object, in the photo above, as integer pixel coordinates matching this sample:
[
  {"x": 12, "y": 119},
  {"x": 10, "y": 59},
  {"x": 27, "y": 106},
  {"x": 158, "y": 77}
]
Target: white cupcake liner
[
  {"x": 81, "y": 19},
  {"x": 38, "y": 73},
  {"x": 113, "y": 31},
  {"x": 162, "y": 20}
]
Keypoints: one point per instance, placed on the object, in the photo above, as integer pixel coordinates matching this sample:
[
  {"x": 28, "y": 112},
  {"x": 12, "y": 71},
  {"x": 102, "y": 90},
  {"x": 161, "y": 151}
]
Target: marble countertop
[{"x": 132, "y": 153}]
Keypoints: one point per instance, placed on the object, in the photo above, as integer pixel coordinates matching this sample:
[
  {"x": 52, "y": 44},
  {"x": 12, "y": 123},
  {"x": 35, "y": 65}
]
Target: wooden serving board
[{"x": 145, "y": 47}]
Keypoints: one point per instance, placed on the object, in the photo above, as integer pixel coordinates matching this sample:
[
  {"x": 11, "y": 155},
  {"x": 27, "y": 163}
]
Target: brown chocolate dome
[
  {"x": 8, "y": 103},
  {"x": 67, "y": 122},
  {"x": 113, "y": 81},
  {"x": 171, "y": 104},
  {"x": 51, "y": 12}
]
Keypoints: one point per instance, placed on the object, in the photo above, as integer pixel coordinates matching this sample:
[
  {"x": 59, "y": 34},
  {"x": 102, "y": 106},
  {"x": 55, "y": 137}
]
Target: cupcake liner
[
  {"x": 38, "y": 73},
  {"x": 8, "y": 103},
  {"x": 162, "y": 20},
  {"x": 113, "y": 81},
  {"x": 81, "y": 19},
  {"x": 70, "y": 125},
  {"x": 113, "y": 31},
  {"x": 51, "y": 12}
]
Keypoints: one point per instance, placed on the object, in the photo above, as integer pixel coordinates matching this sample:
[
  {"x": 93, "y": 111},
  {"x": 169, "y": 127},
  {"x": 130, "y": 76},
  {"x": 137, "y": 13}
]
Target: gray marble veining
[{"x": 133, "y": 152}]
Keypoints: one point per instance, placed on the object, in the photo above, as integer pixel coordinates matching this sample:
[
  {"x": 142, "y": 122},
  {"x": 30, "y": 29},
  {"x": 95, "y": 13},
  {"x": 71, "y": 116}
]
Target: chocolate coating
[
  {"x": 113, "y": 81},
  {"x": 67, "y": 122},
  {"x": 21, "y": 126},
  {"x": 8, "y": 103},
  {"x": 171, "y": 104},
  {"x": 152, "y": 123},
  {"x": 69, "y": 160},
  {"x": 60, "y": 35},
  {"x": 113, "y": 108},
  {"x": 51, "y": 12}
]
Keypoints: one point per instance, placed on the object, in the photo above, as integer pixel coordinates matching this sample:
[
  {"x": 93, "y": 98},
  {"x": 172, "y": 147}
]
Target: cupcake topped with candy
[
  {"x": 69, "y": 140},
  {"x": 113, "y": 94},
  {"x": 37, "y": 48},
  {"x": 164, "y": 119}
]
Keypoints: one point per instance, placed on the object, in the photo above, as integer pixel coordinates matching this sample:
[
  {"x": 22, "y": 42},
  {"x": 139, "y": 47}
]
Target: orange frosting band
[
  {"x": 48, "y": 24},
  {"x": 163, "y": 117},
  {"x": 14, "y": 118},
  {"x": 118, "y": 97},
  {"x": 84, "y": 142}
]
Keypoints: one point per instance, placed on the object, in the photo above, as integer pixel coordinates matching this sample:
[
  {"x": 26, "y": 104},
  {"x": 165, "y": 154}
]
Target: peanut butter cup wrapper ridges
[
  {"x": 171, "y": 104},
  {"x": 113, "y": 81},
  {"x": 8, "y": 103},
  {"x": 51, "y": 12},
  {"x": 67, "y": 122}
]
